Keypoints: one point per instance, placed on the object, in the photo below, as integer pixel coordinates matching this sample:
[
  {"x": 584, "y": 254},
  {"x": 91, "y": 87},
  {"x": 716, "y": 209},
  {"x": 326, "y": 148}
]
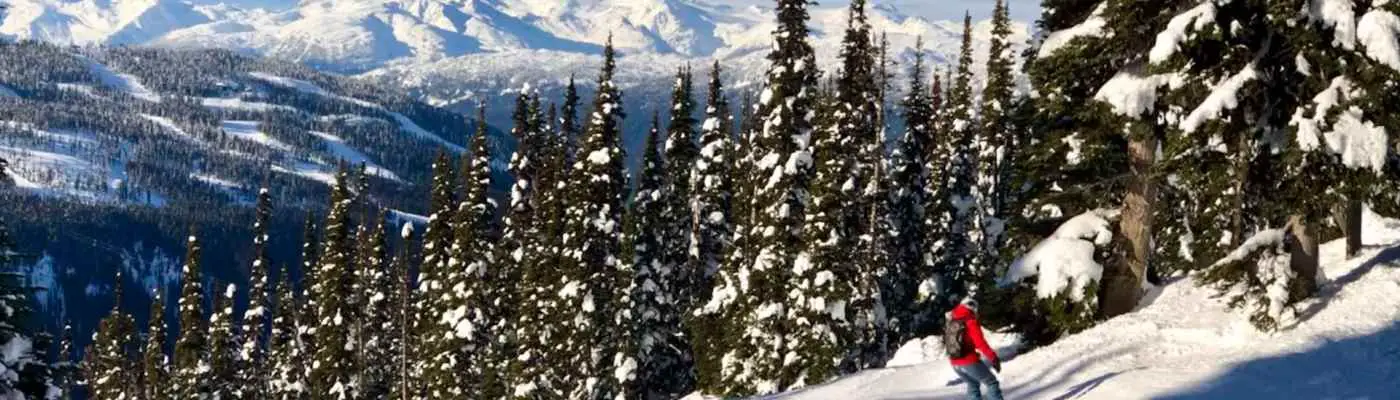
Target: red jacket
[{"x": 974, "y": 333}]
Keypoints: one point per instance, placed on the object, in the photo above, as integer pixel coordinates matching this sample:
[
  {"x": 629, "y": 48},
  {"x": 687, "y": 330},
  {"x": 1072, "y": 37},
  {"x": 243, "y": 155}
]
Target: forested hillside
[{"x": 116, "y": 154}]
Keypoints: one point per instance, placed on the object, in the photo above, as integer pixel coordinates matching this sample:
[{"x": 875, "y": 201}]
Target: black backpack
[{"x": 955, "y": 341}]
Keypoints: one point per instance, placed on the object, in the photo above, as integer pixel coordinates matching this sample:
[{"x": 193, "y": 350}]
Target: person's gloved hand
[{"x": 996, "y": 365}]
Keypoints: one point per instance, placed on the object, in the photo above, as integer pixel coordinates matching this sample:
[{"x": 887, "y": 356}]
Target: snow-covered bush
[
  {"x": 1258, "y": 277},
  {"x": 1068, "y": 266}
]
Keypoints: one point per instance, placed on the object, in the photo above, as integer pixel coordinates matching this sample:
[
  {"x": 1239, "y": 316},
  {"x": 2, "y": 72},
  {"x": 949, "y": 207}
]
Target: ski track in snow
[
  {"x": 1183, "y": 344},
  {"x": 167, "y": 124},
  {"x": 307, "y": 170},
  {"x": 240, "y": 104},
  {"x": 404, "y": 121},
  {"x": 342, "y": 150},
  {"x": 248, "y": 130},
  {"x": 124, "y": 82}
]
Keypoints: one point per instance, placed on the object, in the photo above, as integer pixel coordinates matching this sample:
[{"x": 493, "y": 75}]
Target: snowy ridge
[{"x": 1184, "y": 344}]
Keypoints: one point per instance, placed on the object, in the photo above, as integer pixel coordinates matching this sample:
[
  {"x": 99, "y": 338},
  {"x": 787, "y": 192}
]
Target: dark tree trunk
[
  {"x": 1302, "y": 248},
  {"x": 1348, "y": 218},
  {"x": 1124, "y": 278}
]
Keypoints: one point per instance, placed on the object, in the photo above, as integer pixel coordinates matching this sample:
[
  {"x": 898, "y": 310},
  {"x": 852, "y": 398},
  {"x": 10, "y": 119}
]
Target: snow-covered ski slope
[{"x": 1182, "y": 344}]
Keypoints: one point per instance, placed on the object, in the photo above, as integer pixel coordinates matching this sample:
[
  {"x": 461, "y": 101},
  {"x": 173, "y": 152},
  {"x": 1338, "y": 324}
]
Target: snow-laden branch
[{"x": 1065, "y": 260}]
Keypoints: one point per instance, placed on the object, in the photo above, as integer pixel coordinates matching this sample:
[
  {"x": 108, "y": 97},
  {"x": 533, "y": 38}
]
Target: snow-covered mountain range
[
  {"x": 366, "y": 34},
  {"x": 455, "y": 53}
]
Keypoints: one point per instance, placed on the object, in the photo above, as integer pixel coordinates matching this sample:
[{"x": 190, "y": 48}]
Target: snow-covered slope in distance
[
  {"x": 456, "y": 53},
  {"x": 1184, "y": 344}
]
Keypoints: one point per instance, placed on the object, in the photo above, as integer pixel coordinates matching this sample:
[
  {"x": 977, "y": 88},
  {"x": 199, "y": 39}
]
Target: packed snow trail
[{"x": 1183, "y": 344}]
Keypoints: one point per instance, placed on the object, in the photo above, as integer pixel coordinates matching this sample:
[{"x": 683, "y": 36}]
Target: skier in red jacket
[{"x": 969, "y": 366}]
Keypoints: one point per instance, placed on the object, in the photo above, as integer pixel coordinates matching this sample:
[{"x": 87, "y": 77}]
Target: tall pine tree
[
  {"x": 996, "y": 140},
  {"x": 525, "y": 255},
  {"x": 429, "y": 372},
  {"x": 828, "y": 272},
  {"x": 759, "y": 313},
  {"x": 253, "y": 358},
  {"x": 190, "y": 377},
  {"x": 655, "y": 369},
  {"x": 155, "y": 364},
  {"x": 486, "y": 290},
  {"x": 594, "y": 290},
  {"x": 910, "y": 181},
  {"x": 223, "y": 347},
  {"x": 959, "y": 266},
  {"x": 333, "y": 363},
  {"x": 286, "y": 364},
  {"x": 712, "y": 186},
  {"x": 379, "y": 328},
  {"x": 110, "y": 367}
]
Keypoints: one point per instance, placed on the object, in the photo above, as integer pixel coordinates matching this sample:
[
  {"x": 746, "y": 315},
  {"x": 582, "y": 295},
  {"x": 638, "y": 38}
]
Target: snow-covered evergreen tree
[
  {"x": 871, "y": 346},
  {"x": 155, "y": 364},
  {"x": 526, "y": 255},
  {"x": 1211, "y": 160},
  {"x": 429, "y": 372},
  {"x": 959, "y": 268},
  {"x": 653, "y": 366},
  {"x": 681, "y": 149},
  {"x": 110, "y": 366},
  {"x": 712, "y": 186},
  {"x": 1258, "y": 277},
  {"x": 310, "y": 253},
  {"x": 378, "y": 330},
  {"x": 252, "y": 370},
  {"x": 224, "y": 348},
  {"x": 757, "y": 309},
  {"x": 671, "y": 354},
  {"x": 485, "y": 290},
  {"x": 996, "y": 141},
  {"x": 65, "y": 372},
  {"x": 568, "y": 123},
  {"x": 594, "y": 291},
  {"x": 828, "y": 273},
  {"x": 286, "y": 357},
  {"x": 333, "y": 363},
  {"x": 190, "y": 376},
  {"x": 909, "y": 182}
]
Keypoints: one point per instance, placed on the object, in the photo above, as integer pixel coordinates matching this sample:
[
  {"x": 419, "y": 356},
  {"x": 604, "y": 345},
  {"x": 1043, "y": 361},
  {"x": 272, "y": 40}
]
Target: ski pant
[{"x": 976, "y": 375}]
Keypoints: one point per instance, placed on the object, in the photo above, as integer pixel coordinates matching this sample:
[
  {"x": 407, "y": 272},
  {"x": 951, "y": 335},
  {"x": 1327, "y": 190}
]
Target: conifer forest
[{"x": 345, "y": 241}]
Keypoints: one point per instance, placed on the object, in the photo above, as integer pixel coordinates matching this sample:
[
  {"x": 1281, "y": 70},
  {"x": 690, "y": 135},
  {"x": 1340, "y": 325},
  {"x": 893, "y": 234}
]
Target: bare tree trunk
[
  {"x": 1124, "y": 279},
  {"x": 1302, "y": 248},
  {"x": 1348, "y": 217}
]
